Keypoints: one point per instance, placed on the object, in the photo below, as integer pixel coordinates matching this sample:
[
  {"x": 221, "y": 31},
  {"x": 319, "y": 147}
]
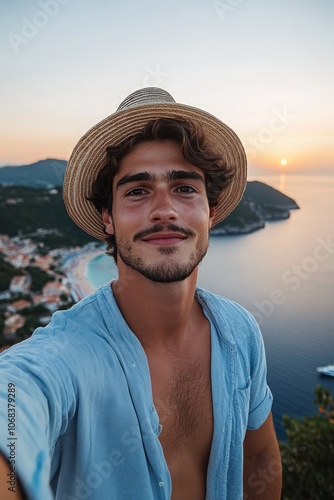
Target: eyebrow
[{"x": 174, "y": 175}]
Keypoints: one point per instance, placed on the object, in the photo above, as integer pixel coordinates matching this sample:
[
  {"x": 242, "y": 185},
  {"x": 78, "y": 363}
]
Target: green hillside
[
  {"x": 27, "y": 212},
  {"x": 268, "y": 196},
  {"x": 41, "y": 174}
]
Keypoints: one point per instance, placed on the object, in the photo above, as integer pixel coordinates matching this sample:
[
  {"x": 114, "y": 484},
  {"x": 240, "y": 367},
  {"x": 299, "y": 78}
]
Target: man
[{"x": 149, "y": 388}]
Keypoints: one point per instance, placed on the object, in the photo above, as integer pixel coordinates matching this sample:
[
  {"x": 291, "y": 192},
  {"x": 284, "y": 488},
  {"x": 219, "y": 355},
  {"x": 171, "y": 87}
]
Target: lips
[{"x": 164, "y": 238}]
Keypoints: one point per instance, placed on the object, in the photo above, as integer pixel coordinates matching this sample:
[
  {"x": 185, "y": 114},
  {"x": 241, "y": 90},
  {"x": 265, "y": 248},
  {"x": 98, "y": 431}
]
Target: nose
[{"x": 162, "y": 209}]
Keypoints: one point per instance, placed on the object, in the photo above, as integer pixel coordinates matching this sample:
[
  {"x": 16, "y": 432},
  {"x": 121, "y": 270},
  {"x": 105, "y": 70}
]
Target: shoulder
[
  {"x": 62, "y": 356},
  {"x": 69, "y": 331},
  {"x": 235, "y": 326},
  {"x": 230, "y": 313},
  {"x": 87, "y": 316}
]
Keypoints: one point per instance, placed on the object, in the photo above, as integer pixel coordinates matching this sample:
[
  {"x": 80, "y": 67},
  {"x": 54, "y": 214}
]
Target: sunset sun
[{"x": 284, "y": 162}]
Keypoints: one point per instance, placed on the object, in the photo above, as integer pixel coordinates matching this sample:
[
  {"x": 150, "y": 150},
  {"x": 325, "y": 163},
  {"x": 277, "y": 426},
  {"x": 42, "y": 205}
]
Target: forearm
[
  {"x": 263, "y": 476},
  {"x": 9, "y": 485}
]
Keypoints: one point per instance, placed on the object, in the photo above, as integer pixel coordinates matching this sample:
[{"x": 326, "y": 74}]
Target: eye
[
  {"x": 186, "y": 189},
  {"x": 136, "y": 192}
]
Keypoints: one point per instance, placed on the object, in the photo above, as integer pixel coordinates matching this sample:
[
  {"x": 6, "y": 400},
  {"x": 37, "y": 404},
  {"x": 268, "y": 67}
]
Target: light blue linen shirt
[{"x": 85, "y": 421}]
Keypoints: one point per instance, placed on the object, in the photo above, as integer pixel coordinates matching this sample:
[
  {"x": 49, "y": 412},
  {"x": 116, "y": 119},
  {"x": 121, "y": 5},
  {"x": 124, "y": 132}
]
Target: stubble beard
[{"x": 169, "y": 270}]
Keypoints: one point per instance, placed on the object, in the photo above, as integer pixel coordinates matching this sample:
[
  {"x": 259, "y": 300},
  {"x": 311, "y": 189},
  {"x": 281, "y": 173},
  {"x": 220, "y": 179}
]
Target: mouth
[{"x": 164, "y": 239}]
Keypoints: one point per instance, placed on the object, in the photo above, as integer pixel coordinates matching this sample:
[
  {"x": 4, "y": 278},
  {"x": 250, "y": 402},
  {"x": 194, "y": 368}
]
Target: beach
[{"x": 76, "y": 266}]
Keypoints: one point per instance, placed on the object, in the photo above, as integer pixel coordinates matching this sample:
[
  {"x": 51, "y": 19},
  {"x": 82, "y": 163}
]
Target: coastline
[{"x": 76, "y": 272}]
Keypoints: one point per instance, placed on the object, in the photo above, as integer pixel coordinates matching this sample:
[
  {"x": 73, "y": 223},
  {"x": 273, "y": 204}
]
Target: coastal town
[{"x": 41, "y": 282}]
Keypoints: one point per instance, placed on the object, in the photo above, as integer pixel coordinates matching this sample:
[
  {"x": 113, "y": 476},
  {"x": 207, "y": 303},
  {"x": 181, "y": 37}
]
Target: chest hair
[{"x": 184, "y": 406}]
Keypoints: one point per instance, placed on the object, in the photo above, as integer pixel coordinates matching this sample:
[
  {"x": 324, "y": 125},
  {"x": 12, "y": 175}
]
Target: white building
[{"x": 20, "y": 284}]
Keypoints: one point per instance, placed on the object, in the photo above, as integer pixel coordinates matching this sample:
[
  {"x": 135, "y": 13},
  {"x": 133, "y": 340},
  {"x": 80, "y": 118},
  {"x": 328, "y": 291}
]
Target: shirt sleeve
[
  {"x": 260, "y": 395},
  {"x": 33, "y": 410}
]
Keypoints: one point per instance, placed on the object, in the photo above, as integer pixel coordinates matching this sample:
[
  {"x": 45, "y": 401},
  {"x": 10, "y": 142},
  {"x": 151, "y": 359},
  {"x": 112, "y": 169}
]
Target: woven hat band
[{"x": 142, "y": 97}]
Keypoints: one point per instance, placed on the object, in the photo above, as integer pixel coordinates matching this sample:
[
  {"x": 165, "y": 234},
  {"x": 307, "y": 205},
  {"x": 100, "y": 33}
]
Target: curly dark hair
[{"x": 194, "y": 149}]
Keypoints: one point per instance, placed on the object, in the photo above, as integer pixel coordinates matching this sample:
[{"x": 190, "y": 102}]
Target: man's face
[{"x": 160, "y": 215}]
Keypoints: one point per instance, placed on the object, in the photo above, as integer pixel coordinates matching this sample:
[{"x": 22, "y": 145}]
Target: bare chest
[
  {"x": 183, "y": 402},
  {"x": 182, "y": 397}
]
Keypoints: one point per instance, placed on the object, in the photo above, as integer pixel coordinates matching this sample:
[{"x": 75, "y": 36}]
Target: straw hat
[{"x": 140, "y": 107}]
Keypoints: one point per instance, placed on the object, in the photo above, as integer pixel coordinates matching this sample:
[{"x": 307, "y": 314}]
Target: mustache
[{"x": 157, "y": 228}]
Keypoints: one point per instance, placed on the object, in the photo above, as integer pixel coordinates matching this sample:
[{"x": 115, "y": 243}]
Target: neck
[{"x": 159, "y": 314}]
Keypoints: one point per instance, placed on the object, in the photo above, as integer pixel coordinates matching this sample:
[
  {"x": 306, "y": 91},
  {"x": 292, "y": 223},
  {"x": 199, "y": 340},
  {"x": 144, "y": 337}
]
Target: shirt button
[
  {"x": 161, "y": 484},
  {"x": 152, "y": 408}
]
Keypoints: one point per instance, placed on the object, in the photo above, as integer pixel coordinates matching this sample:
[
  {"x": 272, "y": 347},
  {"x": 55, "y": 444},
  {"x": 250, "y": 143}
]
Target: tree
[
  {"x": 7, "y": 271},
  {"x": 308, "y": 454},
  {"x": 38, "y": 278}
]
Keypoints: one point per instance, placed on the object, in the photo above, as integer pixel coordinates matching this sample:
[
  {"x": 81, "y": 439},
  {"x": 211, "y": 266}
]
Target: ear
[
  {"x": 107, "y": 221},
  {"x": 212, "y": 214}
]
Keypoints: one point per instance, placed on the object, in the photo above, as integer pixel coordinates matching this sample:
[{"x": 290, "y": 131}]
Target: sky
[{"x": 264, "y": 67}]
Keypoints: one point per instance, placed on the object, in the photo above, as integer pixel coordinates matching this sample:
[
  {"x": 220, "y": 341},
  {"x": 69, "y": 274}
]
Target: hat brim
[{"x": 89, "y": 157}]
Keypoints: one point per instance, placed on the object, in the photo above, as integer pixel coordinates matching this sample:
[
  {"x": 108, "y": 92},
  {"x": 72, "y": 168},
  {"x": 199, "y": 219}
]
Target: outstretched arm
[
  {"x": 9, "y": 491},
  {"x": 262, "y": 463}
]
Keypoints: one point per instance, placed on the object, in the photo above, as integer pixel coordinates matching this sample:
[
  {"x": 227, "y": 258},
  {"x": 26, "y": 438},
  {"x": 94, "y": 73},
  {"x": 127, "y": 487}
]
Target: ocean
[{"x": 284, "y": 275}]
